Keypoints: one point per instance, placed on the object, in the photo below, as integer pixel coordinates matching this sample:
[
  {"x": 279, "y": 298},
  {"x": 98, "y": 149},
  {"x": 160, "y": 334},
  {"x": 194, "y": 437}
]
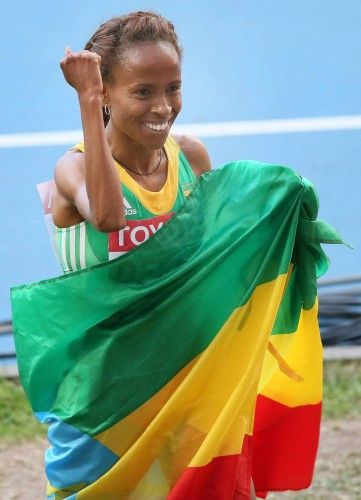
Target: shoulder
[
  {"x": 71, "y": 161},
  {"x": 195, "y": 152},
  {"x": 69, "y": 172}
]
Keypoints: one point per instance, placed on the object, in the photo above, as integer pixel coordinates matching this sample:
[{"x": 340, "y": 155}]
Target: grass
[
  {"x": 16, "y": 420},
  {"x": 341, "y": 400},
  {"x": 342, "y": 390}
]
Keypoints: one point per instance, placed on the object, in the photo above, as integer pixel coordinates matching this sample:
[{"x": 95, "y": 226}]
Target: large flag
[{"x": 194, "y": 361}]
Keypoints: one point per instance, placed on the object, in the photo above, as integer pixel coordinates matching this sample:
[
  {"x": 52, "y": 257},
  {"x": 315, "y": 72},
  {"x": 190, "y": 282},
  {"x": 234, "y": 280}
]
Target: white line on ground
[
  {"x": 9, "y": 371},
  {"x": 342, "y": 352},
  {"x": 217, "y": 129}
]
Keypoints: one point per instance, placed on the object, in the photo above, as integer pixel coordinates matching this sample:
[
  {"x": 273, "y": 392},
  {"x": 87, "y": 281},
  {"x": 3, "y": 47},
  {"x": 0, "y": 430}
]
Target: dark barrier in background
[{"x": 340, "y": 311}]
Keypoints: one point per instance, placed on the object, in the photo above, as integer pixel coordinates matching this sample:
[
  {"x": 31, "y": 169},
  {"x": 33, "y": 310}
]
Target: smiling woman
[{"x": 152, "y": 384}]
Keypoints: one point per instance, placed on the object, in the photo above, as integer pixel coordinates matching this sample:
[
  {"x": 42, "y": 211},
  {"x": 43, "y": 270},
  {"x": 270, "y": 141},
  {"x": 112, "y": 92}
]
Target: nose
[{"x": 161, "y": 107}]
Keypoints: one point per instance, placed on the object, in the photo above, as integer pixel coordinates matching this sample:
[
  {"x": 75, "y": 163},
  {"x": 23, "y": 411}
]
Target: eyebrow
[{"x": 144, "y": 84}]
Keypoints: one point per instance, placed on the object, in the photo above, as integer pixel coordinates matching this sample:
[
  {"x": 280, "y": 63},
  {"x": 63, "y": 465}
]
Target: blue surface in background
[{"x": 243, "y": 61}]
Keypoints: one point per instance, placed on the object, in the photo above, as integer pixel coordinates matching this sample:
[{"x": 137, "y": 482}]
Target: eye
[
  {"x": 142, "y": 92},
  {"x": 175, "y": 89}
]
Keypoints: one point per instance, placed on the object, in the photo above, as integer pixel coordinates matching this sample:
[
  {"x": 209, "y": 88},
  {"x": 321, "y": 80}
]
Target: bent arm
[{"x": 103, "y": 188}]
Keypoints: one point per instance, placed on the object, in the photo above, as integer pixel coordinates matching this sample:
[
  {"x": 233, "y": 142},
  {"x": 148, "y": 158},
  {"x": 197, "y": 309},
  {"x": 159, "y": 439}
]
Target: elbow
[{"x": 109, "y": 225}]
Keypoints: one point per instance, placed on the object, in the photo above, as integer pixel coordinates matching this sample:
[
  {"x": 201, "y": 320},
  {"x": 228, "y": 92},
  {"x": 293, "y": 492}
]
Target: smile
[{"x": 158, "y": 127}]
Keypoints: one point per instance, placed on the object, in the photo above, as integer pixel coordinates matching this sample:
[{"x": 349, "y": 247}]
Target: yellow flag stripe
[{"x": 302, "y": 351}]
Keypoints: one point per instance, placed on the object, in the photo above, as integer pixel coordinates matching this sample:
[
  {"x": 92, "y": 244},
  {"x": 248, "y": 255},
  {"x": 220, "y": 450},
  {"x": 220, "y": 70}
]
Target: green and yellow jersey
[{"x": 81, "y": 245}]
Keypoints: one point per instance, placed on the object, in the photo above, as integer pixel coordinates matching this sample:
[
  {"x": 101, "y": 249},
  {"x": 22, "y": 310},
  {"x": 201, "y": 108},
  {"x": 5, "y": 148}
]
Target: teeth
[{"x": 159, "y": 127}]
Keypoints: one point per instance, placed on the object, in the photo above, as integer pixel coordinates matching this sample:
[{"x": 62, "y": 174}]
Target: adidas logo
[{"x": 128, "y": 209}]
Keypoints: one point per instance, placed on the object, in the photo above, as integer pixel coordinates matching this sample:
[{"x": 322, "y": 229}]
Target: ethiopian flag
[{"x": 192, "y": 363}]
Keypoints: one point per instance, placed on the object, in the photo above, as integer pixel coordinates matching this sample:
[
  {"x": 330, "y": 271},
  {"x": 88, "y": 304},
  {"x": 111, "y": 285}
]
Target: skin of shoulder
[
  {"x": 69, "y": 177},
  {"x": 69, "y": 174},
  {"x": 195, "y": 152}
]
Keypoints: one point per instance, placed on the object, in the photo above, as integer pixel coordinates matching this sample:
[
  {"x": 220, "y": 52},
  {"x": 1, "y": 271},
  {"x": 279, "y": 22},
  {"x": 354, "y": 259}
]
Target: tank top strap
[
  {"x": 79, "y": 146},
  {"x": 186, "y": 174}
]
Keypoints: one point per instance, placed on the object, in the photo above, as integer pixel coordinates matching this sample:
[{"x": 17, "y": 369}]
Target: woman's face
[{"x": 145, "y": 93}]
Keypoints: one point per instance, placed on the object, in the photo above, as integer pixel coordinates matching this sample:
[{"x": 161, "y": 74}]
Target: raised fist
[{"x": 82, "y": 71}]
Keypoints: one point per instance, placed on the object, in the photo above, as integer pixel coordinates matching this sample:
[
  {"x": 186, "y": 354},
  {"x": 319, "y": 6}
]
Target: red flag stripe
[
  {"x": 285, "y": 442},
  {"x": 224, "y": 478}
]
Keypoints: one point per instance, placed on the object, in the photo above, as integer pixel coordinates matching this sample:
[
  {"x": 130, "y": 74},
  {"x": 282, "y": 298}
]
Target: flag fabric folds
[{"x": 194, "y": 361}]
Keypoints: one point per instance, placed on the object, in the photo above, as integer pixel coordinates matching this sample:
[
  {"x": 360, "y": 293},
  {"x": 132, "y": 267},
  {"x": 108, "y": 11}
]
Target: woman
[
  {"x": 165, "y": 393},
  {"x": 129, "y": 75}
]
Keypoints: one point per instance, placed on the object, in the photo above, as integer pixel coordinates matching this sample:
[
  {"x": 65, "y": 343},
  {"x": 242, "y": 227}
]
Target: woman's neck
[{"x": 129, "y": 153}]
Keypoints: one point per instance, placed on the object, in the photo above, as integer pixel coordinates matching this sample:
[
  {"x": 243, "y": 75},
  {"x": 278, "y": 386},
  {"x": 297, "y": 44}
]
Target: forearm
[{"x": 101, "y": 179}]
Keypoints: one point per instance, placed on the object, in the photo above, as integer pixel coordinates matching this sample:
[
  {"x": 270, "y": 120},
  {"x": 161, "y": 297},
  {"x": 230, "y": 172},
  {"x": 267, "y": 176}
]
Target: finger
[
  {"x": 67, "y": 50},
  {"x": 96, "y": 58}
]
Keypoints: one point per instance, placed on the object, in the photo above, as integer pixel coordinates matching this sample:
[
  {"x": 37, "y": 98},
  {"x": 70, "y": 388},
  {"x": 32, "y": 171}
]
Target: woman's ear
[{"x": 105, "y": 94}]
